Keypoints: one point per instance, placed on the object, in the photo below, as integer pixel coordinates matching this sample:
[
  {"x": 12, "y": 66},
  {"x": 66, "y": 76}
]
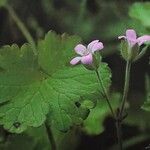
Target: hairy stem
[
  {"x": 126, "y": 88},
  {"x": 50, "y": 137},
  {"x": 22, "y": 28},
  {"x": 121, "y": 110},
  {"x": 105, "y": 93}
]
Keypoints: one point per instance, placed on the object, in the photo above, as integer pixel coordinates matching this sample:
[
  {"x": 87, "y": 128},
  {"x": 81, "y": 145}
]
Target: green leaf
[
  {"x": 141, "y": 12},
  {"x": 93, "y": 125},
  {"x": 55, "y": 51},
  {"x": 27, "y": 94},
  {"x": 17, "y": 67},
  {"x": 68, "y": 85},
  {"x": 21, "y": 102}
]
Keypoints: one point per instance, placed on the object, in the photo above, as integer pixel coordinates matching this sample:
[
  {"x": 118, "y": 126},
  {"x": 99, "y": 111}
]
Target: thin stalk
[
  {"x": 105, "y": 93},
  {"x": 22, "y": 28},
  {"x": 126, "y": 88},
  {"x": 122, "y": 107},
  {"x": 119, "y": 134},
  {"x": 50, "y": 137}
]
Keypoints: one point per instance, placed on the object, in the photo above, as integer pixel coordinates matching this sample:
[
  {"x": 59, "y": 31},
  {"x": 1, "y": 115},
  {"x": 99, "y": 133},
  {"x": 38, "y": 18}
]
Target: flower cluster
[{"x": 86, "y": 53}]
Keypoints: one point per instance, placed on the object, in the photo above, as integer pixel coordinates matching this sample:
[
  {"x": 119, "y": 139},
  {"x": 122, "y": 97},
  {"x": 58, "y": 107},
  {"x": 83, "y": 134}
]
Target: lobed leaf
[
  {"x": 35, "y": 88},
  {"x": 55, "y": 51}
]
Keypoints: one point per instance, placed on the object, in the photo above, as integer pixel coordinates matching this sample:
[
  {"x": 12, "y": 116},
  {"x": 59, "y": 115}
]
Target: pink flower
[
  {"x": 132, "y": 39},
  {"x": 86, "y": 53}
]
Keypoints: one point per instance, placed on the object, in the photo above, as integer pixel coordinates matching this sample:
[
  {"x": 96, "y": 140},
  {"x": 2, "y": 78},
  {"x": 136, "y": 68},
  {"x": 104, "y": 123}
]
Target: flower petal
[
  {"x": 75, "y": 60},
  {"x": 131, "y": 37},
  {"x": 88, "y": 59},
  {"x": 131, "y": 34},
  {"x": 90, "y": 45},
  {"x": 80, "y": 49},
  {"x": 143, "y": 39},
  {"x": 97, "y": 46}
]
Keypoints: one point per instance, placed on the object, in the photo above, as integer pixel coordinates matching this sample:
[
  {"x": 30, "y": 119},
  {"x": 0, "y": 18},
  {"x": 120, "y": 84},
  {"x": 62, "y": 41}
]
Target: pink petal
[
  {"x": 80, "y": 49},
  {"x": 131, "y": 37},
  {"x": 92, "y": 44},
  {"x": 97, "y": 46},
  {"x": 88, "y": 59},
  {"x": 131, "y": 34},
  {"x": 143, "y": 39},
  {"x": 75, "y": 60}
]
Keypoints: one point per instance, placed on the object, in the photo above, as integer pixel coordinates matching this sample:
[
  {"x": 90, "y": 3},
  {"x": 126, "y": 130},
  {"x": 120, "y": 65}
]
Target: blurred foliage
[
  {"x": 3, "y": 3},
  {"x": 18, "y": 142},
  {"x": 141, "y": 12}
]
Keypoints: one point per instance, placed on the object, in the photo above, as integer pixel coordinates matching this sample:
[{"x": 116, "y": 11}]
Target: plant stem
[
  {"x": 105, "y": 93},
  {"x": 119, "y": 134},
  {"x": 50, "y": 137},
  {"x": 126, "y": 88},
  {"x": 22, "y": 28},
  {"x": 121, "y": 110},
  {"x": 118, "y": 123}
]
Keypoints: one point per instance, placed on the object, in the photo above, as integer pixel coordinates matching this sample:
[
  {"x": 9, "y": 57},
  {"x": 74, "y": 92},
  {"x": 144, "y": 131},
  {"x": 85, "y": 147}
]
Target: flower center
[{"x": 86, "y": 52}]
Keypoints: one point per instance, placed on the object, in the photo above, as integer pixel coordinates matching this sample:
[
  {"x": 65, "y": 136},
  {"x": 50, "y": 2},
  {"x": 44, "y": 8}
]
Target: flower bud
[{"x": 127, "y": 52}]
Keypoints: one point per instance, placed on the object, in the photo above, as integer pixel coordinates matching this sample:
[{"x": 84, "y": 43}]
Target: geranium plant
[{"x": 58, "y": 83}]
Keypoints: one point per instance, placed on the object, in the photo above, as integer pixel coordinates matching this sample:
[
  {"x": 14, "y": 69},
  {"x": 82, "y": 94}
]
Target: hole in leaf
[
  {"x": 17, "y": 124},
  {"x": 77, "y": 104}
]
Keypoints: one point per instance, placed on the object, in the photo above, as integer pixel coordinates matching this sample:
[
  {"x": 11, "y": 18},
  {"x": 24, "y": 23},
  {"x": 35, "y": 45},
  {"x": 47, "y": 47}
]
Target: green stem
[
  {"x": 121, "y": 111},
  {"x": 50, "y": 137},
  {"x": 22, "y": 28},
  {"x": 105, "y": 93},
  {"x": 126, "y": 88}
]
